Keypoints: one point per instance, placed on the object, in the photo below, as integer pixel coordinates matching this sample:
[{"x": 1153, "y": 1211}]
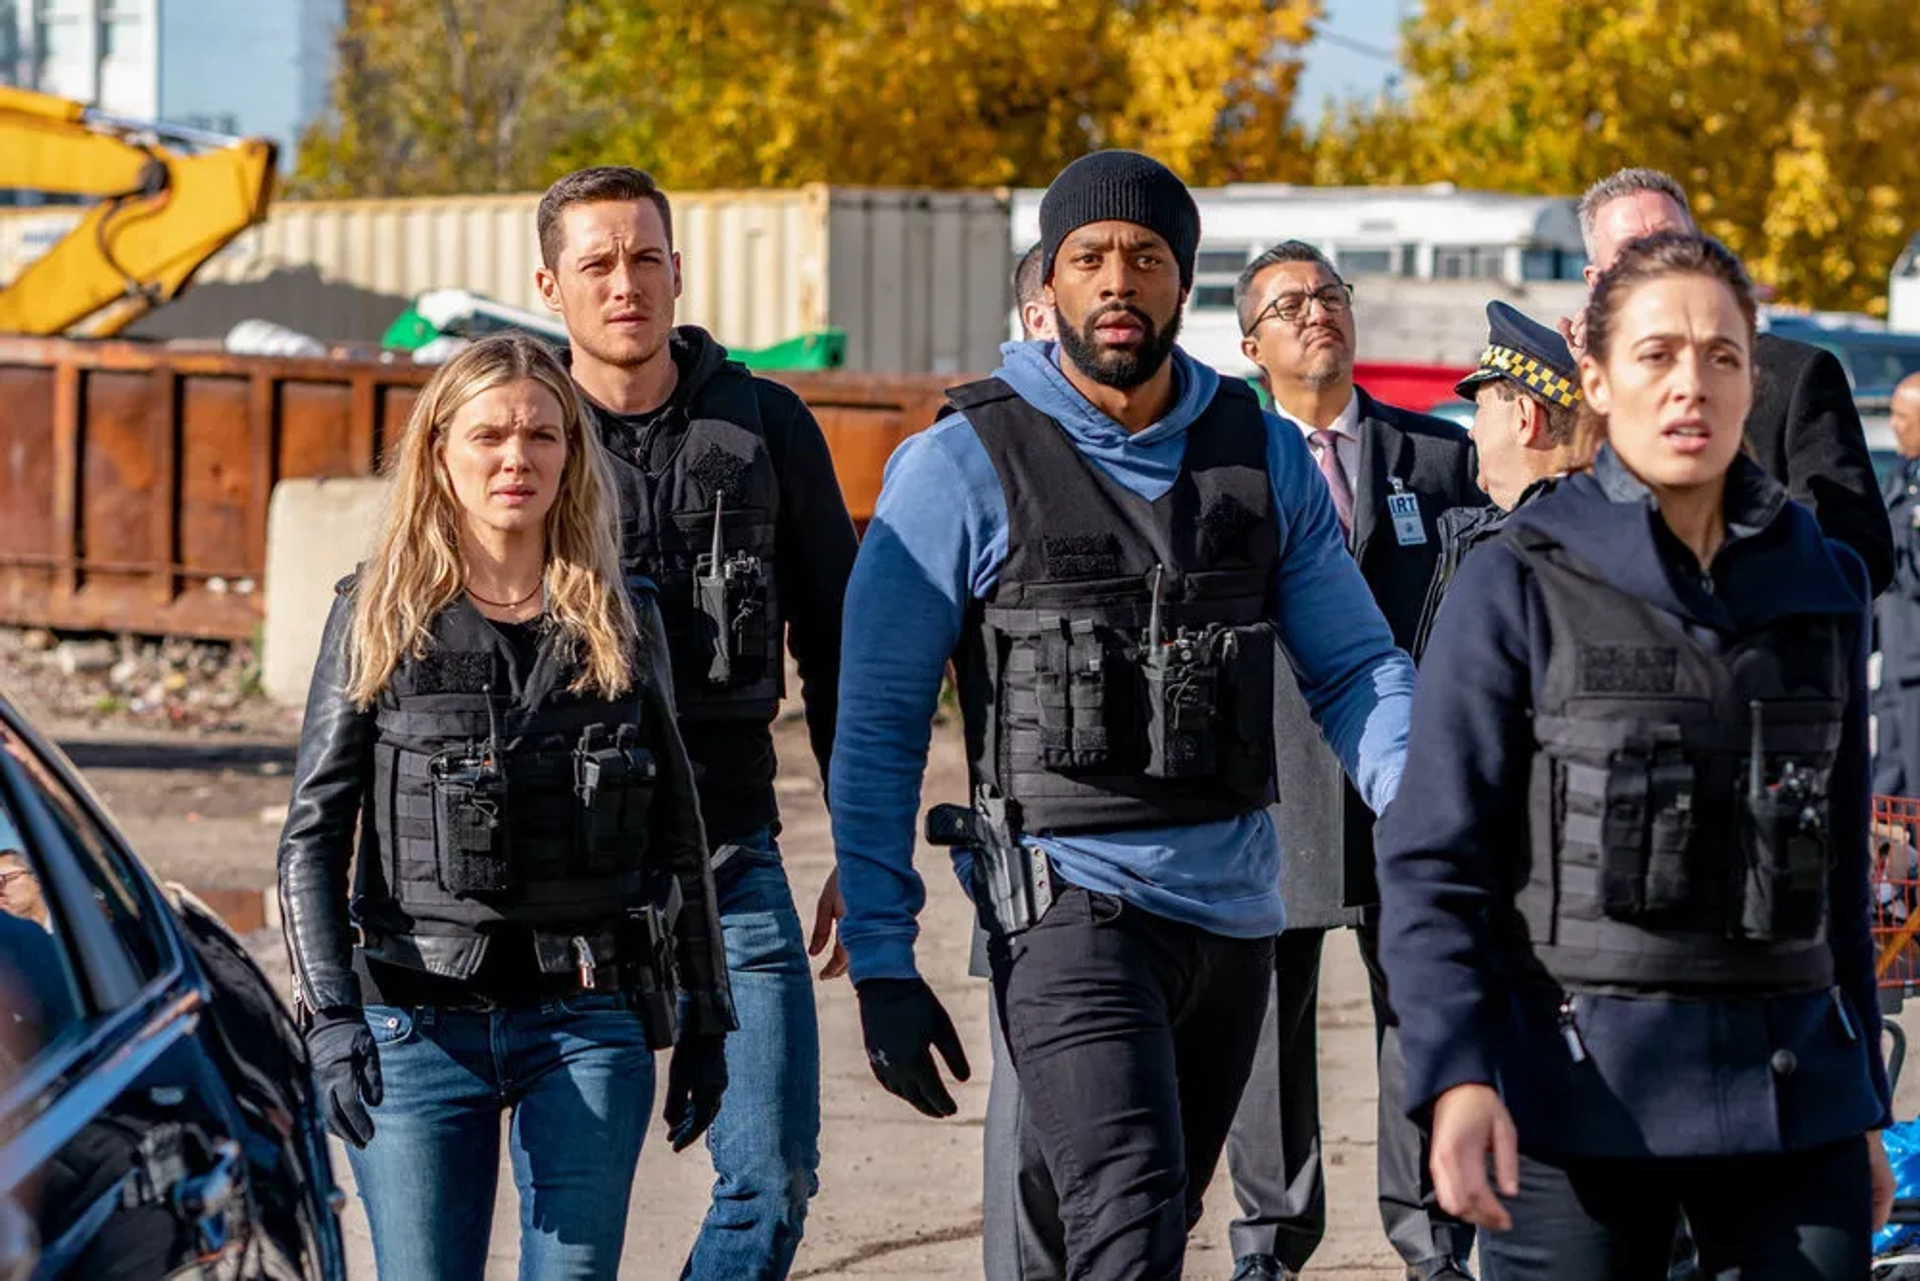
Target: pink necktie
[{"x": 1328, "y": 443}]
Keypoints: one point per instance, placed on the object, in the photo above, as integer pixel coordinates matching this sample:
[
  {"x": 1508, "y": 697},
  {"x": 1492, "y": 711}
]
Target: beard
[{"x": 1118, "y": 367}]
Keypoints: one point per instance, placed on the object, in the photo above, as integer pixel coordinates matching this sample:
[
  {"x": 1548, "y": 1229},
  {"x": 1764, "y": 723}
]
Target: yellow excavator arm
[{"x": 167, "y": 199}]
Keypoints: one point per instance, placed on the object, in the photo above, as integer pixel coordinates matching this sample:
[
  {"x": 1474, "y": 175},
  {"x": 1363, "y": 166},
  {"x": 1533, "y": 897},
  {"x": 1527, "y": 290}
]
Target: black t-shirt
[
  {"x": 523, "y": 637},
  {"x": 647, "y": 439}
]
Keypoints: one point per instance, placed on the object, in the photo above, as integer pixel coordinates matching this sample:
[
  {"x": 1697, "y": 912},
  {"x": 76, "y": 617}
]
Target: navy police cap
[{"x": 1531, "y": 355}]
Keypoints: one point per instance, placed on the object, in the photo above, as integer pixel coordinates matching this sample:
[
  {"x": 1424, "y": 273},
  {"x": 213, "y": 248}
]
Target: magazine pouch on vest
[
  {"x": 1121, "y": 675},
  {"x": 531, "y": 807},
  {"x": 1678, "y": 801},
  {"x": 613, "y": 779}
]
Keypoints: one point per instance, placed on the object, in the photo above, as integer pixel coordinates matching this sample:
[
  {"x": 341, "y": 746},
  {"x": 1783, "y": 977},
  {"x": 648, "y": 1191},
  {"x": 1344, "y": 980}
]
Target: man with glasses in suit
[{"x": 1391, "y": 474}]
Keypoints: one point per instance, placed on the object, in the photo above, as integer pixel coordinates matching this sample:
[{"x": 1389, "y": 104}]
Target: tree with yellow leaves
[
  {"x": 486, "y": 95},
  {"x": 1792, "y": 123}
]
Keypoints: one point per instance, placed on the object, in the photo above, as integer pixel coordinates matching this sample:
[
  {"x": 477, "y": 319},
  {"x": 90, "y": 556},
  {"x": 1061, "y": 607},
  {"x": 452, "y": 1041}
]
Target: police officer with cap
[
  {"x": 1109, "y": 539},
  {"x": 1625, "y": 897},
  {"x": 1526, "y": 394}
]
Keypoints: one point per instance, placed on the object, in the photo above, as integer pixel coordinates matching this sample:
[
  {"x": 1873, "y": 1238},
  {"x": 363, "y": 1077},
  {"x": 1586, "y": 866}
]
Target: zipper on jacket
[
  {"x": 1570, "y": 1032},
  {"x": 1846, "y": 1020}
]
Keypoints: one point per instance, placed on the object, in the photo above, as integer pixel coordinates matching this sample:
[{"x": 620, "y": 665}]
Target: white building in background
[
  {"x": 1903, "y": 290},
  {"x": 1424, "y": 261},
  {"x": 256, "y": 67}
]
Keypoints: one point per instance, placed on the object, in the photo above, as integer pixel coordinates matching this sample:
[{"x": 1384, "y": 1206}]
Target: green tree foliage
[{"x": 1792, "y": 123}]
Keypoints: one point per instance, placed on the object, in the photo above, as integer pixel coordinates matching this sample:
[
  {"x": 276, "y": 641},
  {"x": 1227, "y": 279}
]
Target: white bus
[{"x": 1424, "y": 260}]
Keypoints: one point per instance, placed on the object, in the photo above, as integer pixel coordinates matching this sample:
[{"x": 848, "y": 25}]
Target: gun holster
[
  {"x": 650, "y": 974},
  {"x": 1012, "y": 882}
]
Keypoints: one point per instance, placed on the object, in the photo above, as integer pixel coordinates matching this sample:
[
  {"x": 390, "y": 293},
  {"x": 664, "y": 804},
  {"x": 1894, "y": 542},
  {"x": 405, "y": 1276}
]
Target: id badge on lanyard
[{"x": 1404, "y": 508}]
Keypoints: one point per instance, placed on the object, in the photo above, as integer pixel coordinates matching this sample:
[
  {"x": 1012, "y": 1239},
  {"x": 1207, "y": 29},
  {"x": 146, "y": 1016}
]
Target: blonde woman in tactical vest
[
  {"x": 493, "y": 873},
  {"x": 1624, "y": 897}
]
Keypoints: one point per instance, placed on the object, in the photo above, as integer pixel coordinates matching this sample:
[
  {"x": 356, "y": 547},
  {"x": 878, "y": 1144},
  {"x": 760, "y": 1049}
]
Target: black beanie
[{"x": 1124, "y": 186}]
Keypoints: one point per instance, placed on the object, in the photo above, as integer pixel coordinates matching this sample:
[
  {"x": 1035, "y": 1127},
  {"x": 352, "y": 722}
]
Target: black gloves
[
  {"x": 903, "y": 1021},
  {"x": 346, "y": 1068},
  {"x": 696, "y": 1078}
]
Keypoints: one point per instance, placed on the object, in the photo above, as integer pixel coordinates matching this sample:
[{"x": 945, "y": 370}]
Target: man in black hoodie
[{"x": 729, "y": 502}]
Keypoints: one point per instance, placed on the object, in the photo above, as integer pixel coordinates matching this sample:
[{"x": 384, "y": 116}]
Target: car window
[
  {"x": 39, "y": 987},
  {"x": 113, "y": 886}
]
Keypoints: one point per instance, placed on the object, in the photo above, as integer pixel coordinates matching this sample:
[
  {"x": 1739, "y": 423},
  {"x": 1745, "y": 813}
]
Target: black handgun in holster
[
  {"x": 649, "y": 972},
  {"x": 1012, "y": 883},
  {"x": 730, "y": 595}
]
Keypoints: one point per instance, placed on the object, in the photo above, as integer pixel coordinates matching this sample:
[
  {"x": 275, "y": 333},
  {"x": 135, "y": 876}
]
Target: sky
[{"x": 1335, "y": 68}]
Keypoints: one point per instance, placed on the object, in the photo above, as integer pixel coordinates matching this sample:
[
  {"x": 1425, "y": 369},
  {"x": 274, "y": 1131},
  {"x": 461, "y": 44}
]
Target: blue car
[{"x": 157, "y": 1115}]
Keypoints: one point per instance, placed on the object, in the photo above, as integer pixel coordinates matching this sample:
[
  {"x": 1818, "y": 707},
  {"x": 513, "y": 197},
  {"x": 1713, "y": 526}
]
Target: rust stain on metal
[{"x": 136, "y": 477}]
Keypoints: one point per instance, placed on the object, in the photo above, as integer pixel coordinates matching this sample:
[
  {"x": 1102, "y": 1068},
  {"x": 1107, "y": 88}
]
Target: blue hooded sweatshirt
[{"x": 936, "y": 543}]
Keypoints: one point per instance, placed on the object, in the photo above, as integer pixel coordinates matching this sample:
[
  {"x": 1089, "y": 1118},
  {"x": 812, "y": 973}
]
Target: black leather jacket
[{"x": 332, "y": 777}]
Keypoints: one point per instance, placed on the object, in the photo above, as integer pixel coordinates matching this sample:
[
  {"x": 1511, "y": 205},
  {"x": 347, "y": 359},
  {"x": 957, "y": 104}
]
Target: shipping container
[
  {"x": 136, "y": 478},
  {"x": 917, "y": 279}
]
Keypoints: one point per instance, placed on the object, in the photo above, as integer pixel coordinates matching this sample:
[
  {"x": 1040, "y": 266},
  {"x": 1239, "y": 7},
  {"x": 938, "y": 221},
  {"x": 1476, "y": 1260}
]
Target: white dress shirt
[{"x": 1346, "y": 429}]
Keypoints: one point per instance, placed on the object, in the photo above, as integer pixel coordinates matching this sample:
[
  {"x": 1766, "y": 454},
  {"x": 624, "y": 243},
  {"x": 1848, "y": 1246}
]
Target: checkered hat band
[{"x": 1530, "y": 373}]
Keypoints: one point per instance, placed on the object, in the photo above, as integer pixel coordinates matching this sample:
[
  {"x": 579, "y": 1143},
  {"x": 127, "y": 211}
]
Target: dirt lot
[{"x": 900, "y": 1194}]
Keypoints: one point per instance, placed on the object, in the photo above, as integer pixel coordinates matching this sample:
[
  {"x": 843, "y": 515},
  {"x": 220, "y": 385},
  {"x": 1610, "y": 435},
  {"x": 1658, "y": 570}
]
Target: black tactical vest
[
  {"x": 1678, "y": 797},
  {"x": 491, "y": 807},
  {"x": 703, "y": 530},
  {"x": 1085, "y": 704}
]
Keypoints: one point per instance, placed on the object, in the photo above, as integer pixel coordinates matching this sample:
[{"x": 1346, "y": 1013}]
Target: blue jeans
[
  {"x": 766, "y": 1141},
  {"x": 578, "y": 1078}
]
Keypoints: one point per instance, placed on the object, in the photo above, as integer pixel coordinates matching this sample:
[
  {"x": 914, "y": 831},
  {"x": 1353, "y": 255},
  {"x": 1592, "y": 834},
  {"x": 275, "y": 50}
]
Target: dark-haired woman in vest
[
  {"x": 1624, "y": 911},
  {"x": 490, "y": 748}
]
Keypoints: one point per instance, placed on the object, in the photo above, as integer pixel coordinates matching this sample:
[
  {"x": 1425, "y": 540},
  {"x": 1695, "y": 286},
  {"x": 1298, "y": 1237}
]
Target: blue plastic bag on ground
[{"x": 1903, "y": 1153}]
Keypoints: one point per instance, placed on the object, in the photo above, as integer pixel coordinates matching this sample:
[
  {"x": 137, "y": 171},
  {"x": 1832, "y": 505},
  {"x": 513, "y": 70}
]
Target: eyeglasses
[
  {"x": 1291, "y": 309},
  {"x": 11, "y": 875}
]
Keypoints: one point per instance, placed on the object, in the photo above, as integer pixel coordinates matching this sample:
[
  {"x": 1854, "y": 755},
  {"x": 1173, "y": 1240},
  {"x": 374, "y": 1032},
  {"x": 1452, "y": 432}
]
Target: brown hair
[
  {"x": 415, "y": 569},
  {"x": 602, "y": 183},
  {"x": 1657, "y": 257},
  {"x": 1561, "y": 419}
]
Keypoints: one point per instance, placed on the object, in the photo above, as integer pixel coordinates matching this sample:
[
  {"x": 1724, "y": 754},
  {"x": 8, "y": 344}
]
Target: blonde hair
[{"x": 415, "y": 569}]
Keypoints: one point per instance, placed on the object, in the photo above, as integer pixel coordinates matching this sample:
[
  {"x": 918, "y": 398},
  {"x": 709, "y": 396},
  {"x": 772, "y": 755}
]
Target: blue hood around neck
[{"x": 1147, "y": 461}]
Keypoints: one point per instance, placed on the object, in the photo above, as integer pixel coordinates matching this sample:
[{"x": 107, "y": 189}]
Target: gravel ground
[{"x": 900, "y": 1194}]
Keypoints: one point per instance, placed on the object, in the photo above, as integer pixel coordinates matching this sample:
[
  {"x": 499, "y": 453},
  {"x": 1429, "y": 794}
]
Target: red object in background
[
  {"x": 1416, "y": 387},
  {"x": 1894, "y": 892}
]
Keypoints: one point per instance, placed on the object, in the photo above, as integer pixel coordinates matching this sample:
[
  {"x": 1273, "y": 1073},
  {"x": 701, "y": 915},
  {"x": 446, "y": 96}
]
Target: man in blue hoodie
[{"x": 1108, "y": 539}]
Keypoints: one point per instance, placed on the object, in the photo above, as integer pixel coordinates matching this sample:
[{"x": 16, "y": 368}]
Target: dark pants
[
  {"x": 1273, "y": 1151},
  {"x": 1802, "y": 1216},
  {"x": 1022, "y": 1239},
  {"x": 1132, "y": 1037}
]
